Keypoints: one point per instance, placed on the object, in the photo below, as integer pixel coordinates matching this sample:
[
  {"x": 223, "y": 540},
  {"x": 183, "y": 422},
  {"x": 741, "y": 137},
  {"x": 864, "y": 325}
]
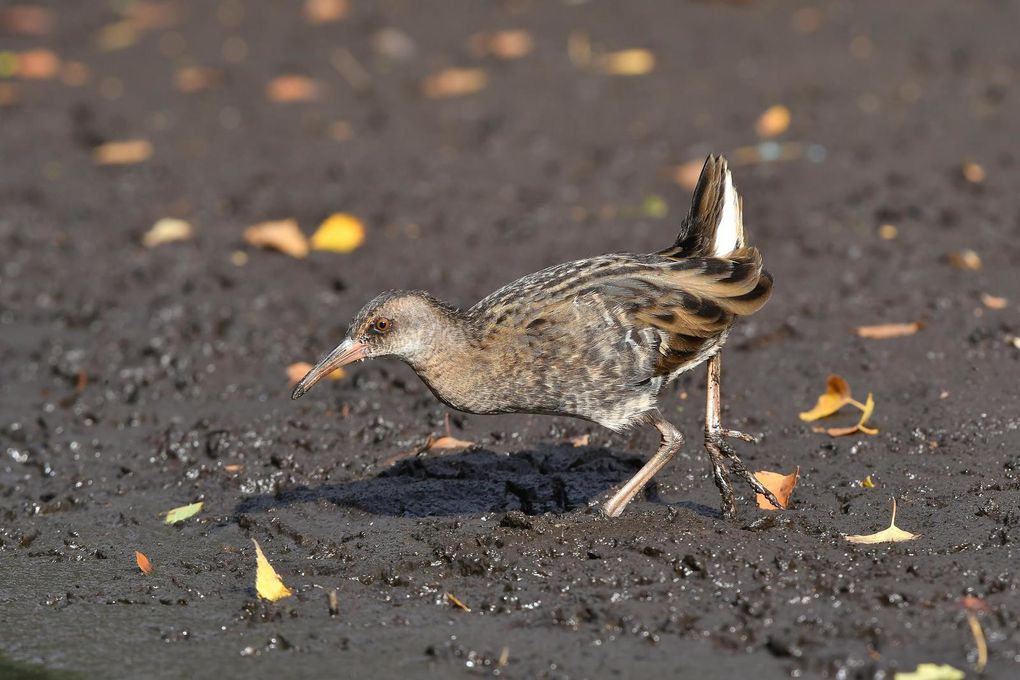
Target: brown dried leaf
[
  {"x": 143, "y": 563},
  {"x": 687, "y": 175},
  {"x": 889, "y": 330},
  {"x": 779, "y": 484},
  {"x": 282, "y": 235},
  {"x": 123, "y": 153},
  {"x": 773, "y": 122},
  {"x": 965, "y": 259},
  {"x": 145, "y": 16},
  {"x": 325, "y": 11},
  {"x": 26, "y": 20},
  {"x": 38, "y": 64},
  {"x": 454, "y": 82},
  {"x": 632, "y": 62},
  {"x": 293, "y": 88},
  {"x": 75, "y": 74},
  {"x": 8, "y": 94}
]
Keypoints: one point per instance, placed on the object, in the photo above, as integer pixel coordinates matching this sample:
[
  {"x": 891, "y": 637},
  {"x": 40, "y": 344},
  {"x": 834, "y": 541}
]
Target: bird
[{"x": 596, "y": 339}]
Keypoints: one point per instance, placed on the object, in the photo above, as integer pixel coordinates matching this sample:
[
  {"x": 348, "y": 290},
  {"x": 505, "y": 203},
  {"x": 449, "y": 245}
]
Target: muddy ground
[{"x": 133, "y": 380}]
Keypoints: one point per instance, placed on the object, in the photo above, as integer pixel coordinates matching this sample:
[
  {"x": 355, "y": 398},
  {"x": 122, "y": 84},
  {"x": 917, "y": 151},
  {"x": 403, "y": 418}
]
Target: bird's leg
[
  {"x": 672, "y": 440},
  {"x": 719, "y": 450}
]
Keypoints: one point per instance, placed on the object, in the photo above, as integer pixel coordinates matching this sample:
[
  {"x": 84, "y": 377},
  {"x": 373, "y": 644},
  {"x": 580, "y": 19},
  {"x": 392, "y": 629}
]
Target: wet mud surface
[{"x": 134, "y": 380}]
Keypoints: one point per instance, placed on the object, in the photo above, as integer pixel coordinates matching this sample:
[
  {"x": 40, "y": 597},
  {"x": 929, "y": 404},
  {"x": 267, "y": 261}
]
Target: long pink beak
[{"x": 347, "y": 352}]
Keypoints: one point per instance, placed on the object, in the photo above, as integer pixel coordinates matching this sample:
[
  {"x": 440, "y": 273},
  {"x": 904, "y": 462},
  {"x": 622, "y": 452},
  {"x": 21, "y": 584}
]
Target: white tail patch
[{"x": 728, "y": 231}]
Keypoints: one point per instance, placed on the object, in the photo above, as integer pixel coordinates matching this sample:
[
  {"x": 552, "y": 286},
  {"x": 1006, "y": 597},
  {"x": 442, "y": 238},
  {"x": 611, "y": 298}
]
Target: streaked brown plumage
[{"x": 595, "y": 339}]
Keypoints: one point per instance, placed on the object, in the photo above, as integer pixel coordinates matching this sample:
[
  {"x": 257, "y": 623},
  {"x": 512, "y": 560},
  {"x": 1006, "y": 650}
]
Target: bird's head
[{"x": 401, "y": 324}]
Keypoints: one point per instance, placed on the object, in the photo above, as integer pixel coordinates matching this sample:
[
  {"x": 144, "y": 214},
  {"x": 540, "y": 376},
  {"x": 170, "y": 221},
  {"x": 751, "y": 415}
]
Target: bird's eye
[{"x": 381, "y": 325}]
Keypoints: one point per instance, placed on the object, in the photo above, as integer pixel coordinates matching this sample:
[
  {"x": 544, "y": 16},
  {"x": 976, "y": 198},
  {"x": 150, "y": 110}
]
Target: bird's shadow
[{"x": 553, "y": 479}]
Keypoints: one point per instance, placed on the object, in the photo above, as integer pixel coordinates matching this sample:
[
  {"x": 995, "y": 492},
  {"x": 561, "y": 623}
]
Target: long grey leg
[
  {"x": 719, "y": 450},
  {"x": 672, "y": 440}
]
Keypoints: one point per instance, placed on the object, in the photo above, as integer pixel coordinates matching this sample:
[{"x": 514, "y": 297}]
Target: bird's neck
[{"x": 456, "y": 361}]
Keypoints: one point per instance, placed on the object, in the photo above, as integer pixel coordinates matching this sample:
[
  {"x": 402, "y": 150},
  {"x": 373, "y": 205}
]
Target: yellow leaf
[
  {"x": 143, "y": 563},
  {"x": 779, "y": 484},
  {"x": 166, "y": 230},
  {"x": 634, "y": 62},
  {"x": 965, "y": 259},
  {"x": 931, "y": 671},
  {"x": 182, "y": 513},
  {"x": 837, "y": 394},
  {"x": 281, "y": 235},
  {"x": 455, "y": 601},
  {"x": 268, "y": 584},
  {"x": 340, "y": 233},
  {"x": 454, "y": 82},
  {"x": 773, "y": 121},
  {"x": 891, "y": 535},
  {"x": 122, "y": 153},
  {"x": 889, "y": 330},
  {"x": 868, "y": 483}
]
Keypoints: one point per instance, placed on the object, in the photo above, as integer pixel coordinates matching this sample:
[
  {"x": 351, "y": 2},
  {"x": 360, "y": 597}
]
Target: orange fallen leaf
[
  {"x": 455, "y": 601},
  {"x": 143, "y": 563},
  {"x": 779, "y": 484},
  {"x": 190, "y": 79},
  {"x": 837, "y": 394},
  {"x": 508, "y": 44},
  {"x": 39, "y": 64},
  {"x": 891, "y": 535},
  {"x": 773, "y": 122},
  {"x": 268, "y": 583},
  {"x": 866, "y": 410},
  {"x": 167, "y": 230},
  {"x": 973, "y": 172},
  {"x": 325, "y": 11},
  {"x": 339, "y": 233},
  {"x": 299, "y": 370},
  {"x": 75, "y": 74},
  {"x": 965, "y": 259},
  {"x": 580, "y": 440},
  {"x": 123, "y": 152},
  {"x": 8, "y": 94},
  {"x": 994, "y": 302},
  {"x": 632, "y": 62},
  {"x": 447, "y": 442},
  {"x": 281, "y": 235},
  {"x": 687, "y": 175},
  {"x": 889, "y": 330},
  {"x": 291, "y": 88},
  {"x": 454, "y": 82},
  {"x": 26, "y": 20}
]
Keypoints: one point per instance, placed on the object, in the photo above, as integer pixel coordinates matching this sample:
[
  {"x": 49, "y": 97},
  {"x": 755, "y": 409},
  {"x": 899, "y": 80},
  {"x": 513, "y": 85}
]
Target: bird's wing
[{"x": 655, "y": 312}]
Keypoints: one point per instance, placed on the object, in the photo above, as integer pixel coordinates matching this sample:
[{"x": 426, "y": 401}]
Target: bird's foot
[
  {"x": 737, "y": 434},
  {"x": 718, "y": 449}
]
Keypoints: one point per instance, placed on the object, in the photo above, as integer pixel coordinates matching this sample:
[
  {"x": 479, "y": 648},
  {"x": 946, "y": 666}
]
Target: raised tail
[{"x": 714, "y": 227}]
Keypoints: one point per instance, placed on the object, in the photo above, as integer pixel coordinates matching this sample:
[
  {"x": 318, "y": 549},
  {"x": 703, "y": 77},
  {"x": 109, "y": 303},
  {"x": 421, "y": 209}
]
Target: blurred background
[{"x": 149, "y": 314}]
